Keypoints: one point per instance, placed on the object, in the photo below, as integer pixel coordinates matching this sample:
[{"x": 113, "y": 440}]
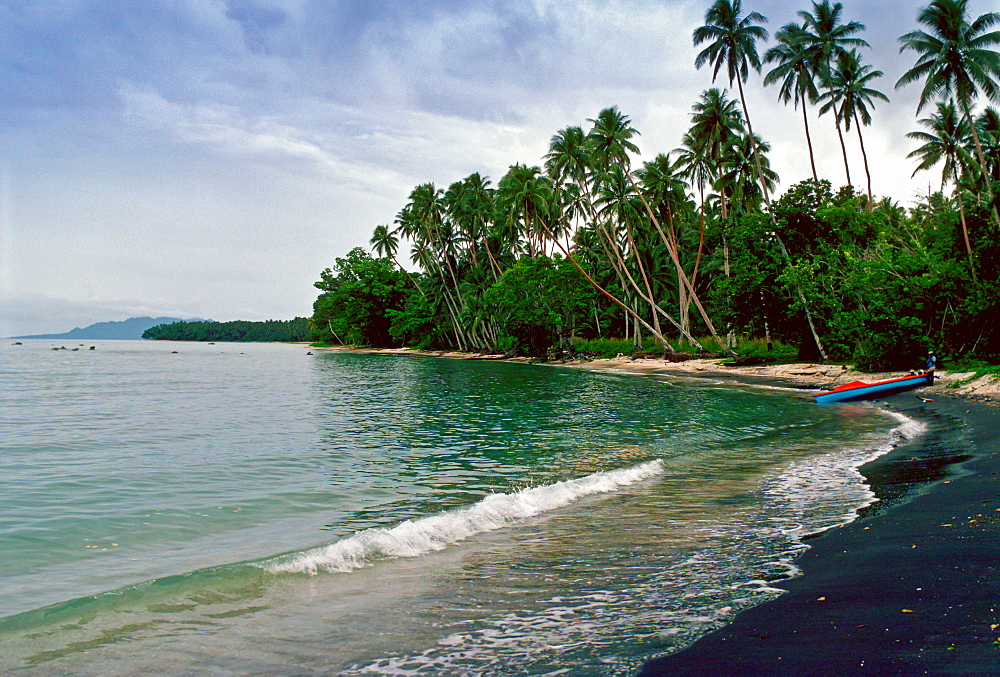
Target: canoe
[{"x": 859, "y": 390}]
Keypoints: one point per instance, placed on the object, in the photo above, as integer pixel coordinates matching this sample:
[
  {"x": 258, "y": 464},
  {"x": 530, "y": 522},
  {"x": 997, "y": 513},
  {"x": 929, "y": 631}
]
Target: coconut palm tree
[
  {"x": 945, "y": 142},
  {"x": 738, "y": 179},
  {"x": 716, "y": 124},
  {"x": 732, "y": 42},
  {"x": 825, "y": 39},
  {"x": 527, "y": 194},
  {"x": 385, "y": 243},
  {"x": 849, "y": 96},
  {"x": 795, "y": 74},
  {"x": 955, "y": 58}
]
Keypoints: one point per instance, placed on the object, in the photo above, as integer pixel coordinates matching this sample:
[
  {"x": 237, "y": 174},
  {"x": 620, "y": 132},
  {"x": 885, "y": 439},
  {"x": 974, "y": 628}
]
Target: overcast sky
[{"x": 208, "y": 158}]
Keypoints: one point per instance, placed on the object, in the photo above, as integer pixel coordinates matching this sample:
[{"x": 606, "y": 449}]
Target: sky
[{"x": 209, "y": 158}]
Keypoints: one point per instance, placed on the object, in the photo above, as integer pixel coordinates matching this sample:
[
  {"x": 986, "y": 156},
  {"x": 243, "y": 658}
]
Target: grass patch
[
  {"x": 748, "y": 349},
  {"x": 979, "y": 369}
]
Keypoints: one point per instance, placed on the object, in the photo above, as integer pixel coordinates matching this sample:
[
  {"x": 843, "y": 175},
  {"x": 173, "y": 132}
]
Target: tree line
[
  {"x": 692, "y": 249},
  {"x": 287, "y": 331}
]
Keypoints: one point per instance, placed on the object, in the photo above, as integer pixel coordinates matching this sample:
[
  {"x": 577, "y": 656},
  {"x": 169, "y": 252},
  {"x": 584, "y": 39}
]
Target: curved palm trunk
[
  {"x": 864, "y": 156},
  {"x": 767, "y": 200},
  {"x": 614, "y": 299},
  {"x": 843, "y": 149},
  {"x": 753, "y": 145},
  {"x": 805, "y": 305},
  {"x": 965, "y": 231},
  {"x": 642, "y": 271},
  {"x": 407, "y": 273},
  {"x": 809, "y": 142}
]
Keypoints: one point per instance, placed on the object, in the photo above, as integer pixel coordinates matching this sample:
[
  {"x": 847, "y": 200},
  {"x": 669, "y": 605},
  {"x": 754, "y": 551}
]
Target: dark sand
[{"x": 912, "y": 587}]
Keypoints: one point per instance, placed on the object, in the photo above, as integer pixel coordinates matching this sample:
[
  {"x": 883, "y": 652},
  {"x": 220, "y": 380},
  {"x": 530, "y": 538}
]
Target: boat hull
[{"x": 851, "y": 392}]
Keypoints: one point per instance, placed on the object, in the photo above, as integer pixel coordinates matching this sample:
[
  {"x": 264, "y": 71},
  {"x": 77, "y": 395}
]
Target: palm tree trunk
[
  {"x": 805, "y": 305},
  {"x": 614, "y": 299},
  {"x": 864, "y": 156},
  {"x": 843, "y": 148},
  {"x": 753, "y": 144},
  {"x": 409, "y": 276},
  {"x": 809, "y": 142},
  {"x": 965, "y": 230}
]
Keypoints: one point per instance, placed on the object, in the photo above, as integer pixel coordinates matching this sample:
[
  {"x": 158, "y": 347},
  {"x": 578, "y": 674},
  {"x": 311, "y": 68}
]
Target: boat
[{"x": 859, "y": 390}]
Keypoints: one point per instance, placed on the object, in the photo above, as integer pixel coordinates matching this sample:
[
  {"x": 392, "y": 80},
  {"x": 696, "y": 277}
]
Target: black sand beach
[{"x": 910, "y": 588}]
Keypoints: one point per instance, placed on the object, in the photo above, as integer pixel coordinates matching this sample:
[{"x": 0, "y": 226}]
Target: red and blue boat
[{"x": 859, "y": 390}]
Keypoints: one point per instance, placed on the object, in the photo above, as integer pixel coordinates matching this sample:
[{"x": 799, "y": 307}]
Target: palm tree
[
  {"x": 732, "y": 43},
  {"x": 955, "y": 59},
  {"x": 716, "y": 124},
  {"x": 826, "y": 38},
  {"x": 945, "y": 141},
  {"x": 738, "y": 179},
  {"x": 527, "y": 194},
  {"x": 794, "y": 72},
  {"x": 849, "y": 96},
  {"x": 385, "y": 243}
]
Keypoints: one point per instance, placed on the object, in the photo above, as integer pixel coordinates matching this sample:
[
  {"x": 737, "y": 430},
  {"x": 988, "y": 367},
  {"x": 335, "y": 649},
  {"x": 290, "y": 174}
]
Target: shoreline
[
  {"x": 910, "y": 586},
  {"x": 803, "y": 375}
]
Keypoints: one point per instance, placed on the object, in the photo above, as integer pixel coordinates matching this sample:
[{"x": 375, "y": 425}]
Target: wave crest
[{"x": 413, "y": 538}]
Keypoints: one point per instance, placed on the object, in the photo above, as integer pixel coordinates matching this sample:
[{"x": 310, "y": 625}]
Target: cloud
[{"x": 216, "y": 156}]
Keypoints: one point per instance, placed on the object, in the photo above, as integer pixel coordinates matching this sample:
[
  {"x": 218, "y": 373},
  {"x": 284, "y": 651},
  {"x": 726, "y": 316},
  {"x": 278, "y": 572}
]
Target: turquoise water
[{"x": 188, "y": 508}]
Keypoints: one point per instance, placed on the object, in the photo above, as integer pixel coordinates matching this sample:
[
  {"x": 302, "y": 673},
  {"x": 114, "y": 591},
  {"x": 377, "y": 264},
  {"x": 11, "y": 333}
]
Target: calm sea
[{"x": 191, "y": 509}]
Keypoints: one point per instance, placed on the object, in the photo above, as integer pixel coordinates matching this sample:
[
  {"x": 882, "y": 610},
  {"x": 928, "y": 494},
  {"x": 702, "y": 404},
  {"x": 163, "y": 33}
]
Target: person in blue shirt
[{"x": 931, "y": 364}]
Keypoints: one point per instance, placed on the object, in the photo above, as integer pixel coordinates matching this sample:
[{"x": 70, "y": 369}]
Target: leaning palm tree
[
  {"x": 732, "y": 42},
  {"x": 795, "y": 75},
  {"x": 955, "y": 59},
  {"x": 849, "y": 96},
  {"x": 385, "y": 243},
  {"x": 945, "y": 142},
  {"x": 826, "y": 38}
]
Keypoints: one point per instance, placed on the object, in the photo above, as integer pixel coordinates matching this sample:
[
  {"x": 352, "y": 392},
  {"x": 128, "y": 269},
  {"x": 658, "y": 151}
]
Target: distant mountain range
[{"x": 130, "y": 329}]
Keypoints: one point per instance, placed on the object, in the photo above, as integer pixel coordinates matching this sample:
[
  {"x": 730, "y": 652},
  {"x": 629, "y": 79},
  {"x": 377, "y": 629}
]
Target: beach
[
  {"x": 911, "y": 588},
  {"x": 912, "y": 585}
]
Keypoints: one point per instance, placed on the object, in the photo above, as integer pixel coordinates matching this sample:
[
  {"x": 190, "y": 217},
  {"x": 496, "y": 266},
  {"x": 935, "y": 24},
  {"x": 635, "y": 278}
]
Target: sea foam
[{"x": 413, "y": 538}]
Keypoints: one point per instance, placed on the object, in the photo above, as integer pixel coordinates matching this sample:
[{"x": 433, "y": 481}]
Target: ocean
[{"x": 225, "y": 509}]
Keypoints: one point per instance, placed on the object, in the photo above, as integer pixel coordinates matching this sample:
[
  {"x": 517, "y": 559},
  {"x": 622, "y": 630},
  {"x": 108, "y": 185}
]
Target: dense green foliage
[
  {"x": 587, "y": 248},
  {"x": 238, "y": 330}
]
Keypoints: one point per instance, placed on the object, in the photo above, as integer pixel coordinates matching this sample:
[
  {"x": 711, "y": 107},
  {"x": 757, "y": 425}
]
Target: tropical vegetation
[{"x": 692, "y": 251}]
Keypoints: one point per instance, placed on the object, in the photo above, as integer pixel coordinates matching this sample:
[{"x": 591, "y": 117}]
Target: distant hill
[{"x": 130, "y": 329}]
